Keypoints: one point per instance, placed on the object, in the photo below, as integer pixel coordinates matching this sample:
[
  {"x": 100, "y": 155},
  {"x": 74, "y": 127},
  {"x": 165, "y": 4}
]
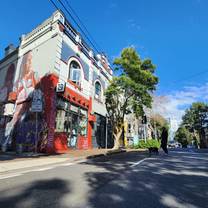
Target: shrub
[
  {"x": 148, "y": 144},
  {"x": 153, "y": 143}
]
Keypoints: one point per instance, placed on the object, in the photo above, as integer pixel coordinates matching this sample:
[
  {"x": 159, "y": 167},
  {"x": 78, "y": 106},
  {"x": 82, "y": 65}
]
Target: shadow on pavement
[
  {"x": 42, "y": 193},
  {"x": 173, "y": 181}
]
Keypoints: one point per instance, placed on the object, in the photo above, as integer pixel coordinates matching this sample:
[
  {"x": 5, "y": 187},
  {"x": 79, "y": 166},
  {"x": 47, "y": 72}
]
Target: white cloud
[{"x": 174, "y": 105}]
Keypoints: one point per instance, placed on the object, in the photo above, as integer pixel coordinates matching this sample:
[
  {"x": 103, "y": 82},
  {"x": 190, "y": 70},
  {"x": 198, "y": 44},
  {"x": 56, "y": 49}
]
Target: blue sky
[{"x": 173, "y": 33}]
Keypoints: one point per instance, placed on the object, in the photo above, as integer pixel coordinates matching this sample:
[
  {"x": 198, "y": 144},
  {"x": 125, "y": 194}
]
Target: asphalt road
[{"x": 127, "y": 180}]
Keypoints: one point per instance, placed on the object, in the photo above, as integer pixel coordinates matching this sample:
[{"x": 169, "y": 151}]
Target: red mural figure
[
  {"x": 27, "y": 79},
  {"x": 24, "y": 86},
  {"x": 47, "y": 136}
]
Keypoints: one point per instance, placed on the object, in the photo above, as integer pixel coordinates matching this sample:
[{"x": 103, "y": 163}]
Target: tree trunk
[{"x": 117, "y": 136}]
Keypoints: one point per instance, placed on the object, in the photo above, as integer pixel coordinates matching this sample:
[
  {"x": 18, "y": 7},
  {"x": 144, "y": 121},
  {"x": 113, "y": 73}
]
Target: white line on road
[
  {"x": 66, "y": 164},
  {"x": 139, "y": 162},
  {"x": 42, "y": 169},
  {"x": 39, "y": 169},
  {"x": 9, "y": 176}
]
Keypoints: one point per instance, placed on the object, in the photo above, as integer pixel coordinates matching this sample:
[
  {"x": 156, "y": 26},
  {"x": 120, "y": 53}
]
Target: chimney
[{"x": 9, "y": 49}]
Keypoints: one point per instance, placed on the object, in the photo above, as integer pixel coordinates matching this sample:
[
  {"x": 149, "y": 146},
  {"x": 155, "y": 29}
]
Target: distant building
[
  {"x": 137, "y": 128},
  {"x": 55, "y": 72}
]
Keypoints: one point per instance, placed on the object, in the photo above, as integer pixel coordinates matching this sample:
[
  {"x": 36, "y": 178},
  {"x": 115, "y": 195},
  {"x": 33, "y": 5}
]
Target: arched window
[
  {"x": 75, "y": 72},
  {"x": 98, "y": 90}
]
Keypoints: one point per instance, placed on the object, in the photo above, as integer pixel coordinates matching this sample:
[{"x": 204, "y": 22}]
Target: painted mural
[
  {"x": 8, "y": 83},
  {"x": 22, "y": 128},
  {"x": 4, "y": 92}
]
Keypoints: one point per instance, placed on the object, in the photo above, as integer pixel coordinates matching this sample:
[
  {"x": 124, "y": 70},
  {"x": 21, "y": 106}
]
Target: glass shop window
[
  {"x": 83, "y": 122},
  {"x": 60, "y": 119},
  {"x": 67, "y": 122}
]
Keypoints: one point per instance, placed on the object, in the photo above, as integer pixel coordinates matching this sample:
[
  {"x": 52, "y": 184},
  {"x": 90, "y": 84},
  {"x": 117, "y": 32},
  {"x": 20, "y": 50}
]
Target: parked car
[{"x": 173, "y": 144}]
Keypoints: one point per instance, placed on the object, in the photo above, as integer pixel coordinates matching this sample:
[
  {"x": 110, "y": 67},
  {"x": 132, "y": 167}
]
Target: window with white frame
[
  {"x": 75, "y": 72},
  {"x": 98, "y": 90}
]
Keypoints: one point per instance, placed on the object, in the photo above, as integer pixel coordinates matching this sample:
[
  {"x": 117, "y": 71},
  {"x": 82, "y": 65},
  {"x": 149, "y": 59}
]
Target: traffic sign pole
[{"x": 36, "y": 133}]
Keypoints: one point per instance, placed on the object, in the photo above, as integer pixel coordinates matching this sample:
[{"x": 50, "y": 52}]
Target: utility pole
[
  {"x": 144, "y": 122},
  {"x": 106, "y": 132}
]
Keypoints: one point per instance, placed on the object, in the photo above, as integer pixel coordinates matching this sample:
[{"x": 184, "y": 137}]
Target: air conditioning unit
[{"x": 60, "y": 87}]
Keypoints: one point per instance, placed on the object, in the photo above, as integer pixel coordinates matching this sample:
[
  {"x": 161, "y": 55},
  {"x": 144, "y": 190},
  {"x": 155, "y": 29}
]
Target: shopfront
[
  {"x": 99, "y": 137},
  {"x": 71, "y": 123}
]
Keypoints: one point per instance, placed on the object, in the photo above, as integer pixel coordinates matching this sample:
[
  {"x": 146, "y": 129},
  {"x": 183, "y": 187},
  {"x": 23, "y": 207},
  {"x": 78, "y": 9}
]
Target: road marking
[
  {"x": 139, "y": 162},
  {"x": 36, "y": 169},
  {"x": 66, "y": 164},
  {"x": 9, "y": 176},
  {"x": 43, "y": 169}
]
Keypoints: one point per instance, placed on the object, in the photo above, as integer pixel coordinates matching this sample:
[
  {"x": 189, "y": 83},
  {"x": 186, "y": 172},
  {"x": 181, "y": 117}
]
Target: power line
[
  {"x": 81, "y": 22},
  {"x": 83, "y": 25},
  {"x": 54, "y": 4},
  {"x": 68, "y": 12}
]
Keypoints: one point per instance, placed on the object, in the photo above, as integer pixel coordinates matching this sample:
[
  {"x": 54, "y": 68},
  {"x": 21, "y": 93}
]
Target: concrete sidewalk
[{"x": 17, "y": 162}]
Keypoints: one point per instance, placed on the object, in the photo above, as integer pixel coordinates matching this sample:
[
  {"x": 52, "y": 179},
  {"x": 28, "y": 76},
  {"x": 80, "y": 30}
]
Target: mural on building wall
[
  {"x": 8, "y": 83},
  {"x": 24, "y": 88},
  {"x": 22, "y": 128},
  {"x": 4, "y": 92},
  {"x": 47, "y": 145},
  {"x": 27, "y": 80}
]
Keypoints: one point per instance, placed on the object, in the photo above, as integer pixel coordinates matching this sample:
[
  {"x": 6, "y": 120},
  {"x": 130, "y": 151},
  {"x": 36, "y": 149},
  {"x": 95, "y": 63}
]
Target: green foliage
[
  {"x": 183, "y": 136},
  {"x": 154, "y": 143},
  {"x": 193, "y": 121},
  {"x": 131, "y": 91},
  {"x": 195, "y": 116},
  {"x": 141, "y": 71},
  {"x": 159, "y": 122}
]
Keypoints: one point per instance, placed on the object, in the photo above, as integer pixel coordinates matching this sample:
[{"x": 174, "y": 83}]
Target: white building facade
[{"x": 70, "y": 79}]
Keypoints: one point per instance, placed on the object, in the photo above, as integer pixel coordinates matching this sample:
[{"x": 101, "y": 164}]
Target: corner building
[{"x": 54, "y": 70}]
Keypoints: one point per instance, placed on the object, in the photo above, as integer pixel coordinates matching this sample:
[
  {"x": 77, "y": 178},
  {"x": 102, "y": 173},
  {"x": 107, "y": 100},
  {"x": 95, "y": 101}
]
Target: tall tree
[
  {"x": 130, "y": 91},
  {"x": 195, "y": 120},
  {"x": 183, "y": 136},
  {"x": 158, "y": 122}
]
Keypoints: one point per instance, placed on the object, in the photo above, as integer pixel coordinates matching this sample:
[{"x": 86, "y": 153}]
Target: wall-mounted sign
[
  {"x": 60, "y": 87},
  {"x": 37, "y": 104},
  {"x": 74, "y": 108}
]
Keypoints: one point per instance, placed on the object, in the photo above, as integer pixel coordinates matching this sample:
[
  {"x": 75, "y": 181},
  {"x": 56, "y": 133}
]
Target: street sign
[
  {"x": 60, "y": 87},
  {"x": 37, "y": 103}
]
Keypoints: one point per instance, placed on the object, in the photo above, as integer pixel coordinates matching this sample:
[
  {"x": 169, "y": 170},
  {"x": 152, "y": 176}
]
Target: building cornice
[{"x": 9, "y": 56}]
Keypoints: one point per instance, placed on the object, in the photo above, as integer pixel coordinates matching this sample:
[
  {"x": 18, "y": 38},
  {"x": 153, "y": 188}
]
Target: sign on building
[
  {"x": 60, "y": 87},
  {"x": 37, "y": 102}
]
